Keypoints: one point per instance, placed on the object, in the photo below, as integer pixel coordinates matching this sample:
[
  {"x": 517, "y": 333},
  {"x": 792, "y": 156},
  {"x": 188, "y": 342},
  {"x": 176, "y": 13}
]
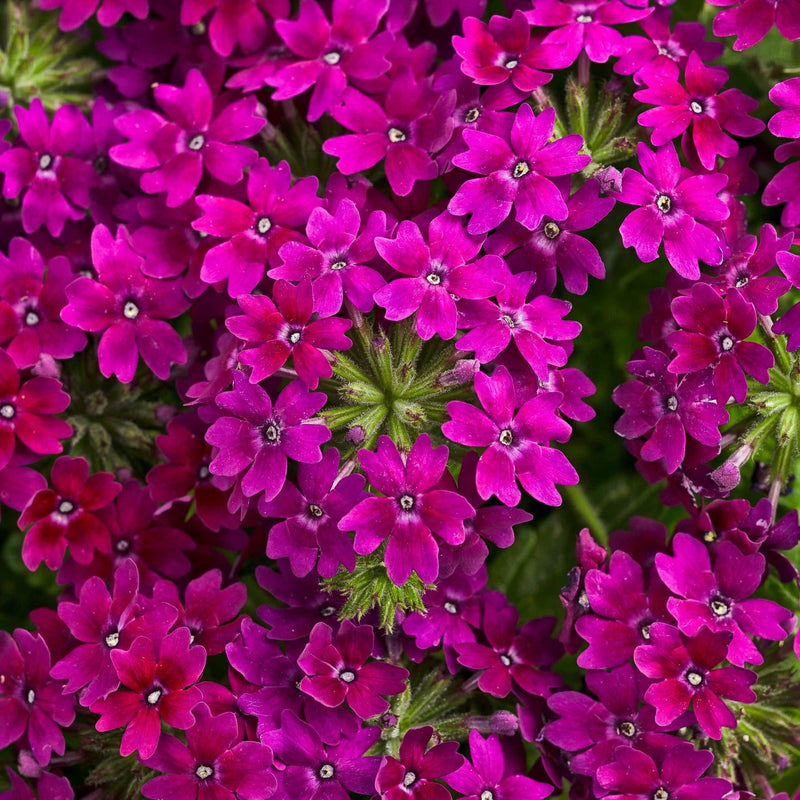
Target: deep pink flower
[
  {"x": 57, "y": 184},
  {"x": 441, "y": 264},
  {"x": 701, "y": 105},
  {"x": 517, "y": 168},
  {"x": 412, "y": 125},
  {"x": 254, "y": 231},
  {"x": 412, "y": 776},
  {"x": 336, "y": 670},
  {"x": 64, "y": 515},
  {"x": 330, "y": 53},
  {"x": 517, "y": 445},
  {"x": 30, "y": 701},
  {"x": 686, "y": 672},
  {"x": 214, "y": 763},
  {"x": 673, "y": 206},
  {"x": 410, "y": 511},
  {"x": 713, "y": 333},
  {"x": 31, "y": 298},
  {"x": 76, "y": 12},
  {"x": 26, "y": 412},
  {"x": 158, "y": 677},
  {"x": 751, "y": 20},
  {"x": 194, "y": 138},
  {"x": 282, "y": 327},
  {"x": 129, "y": 309}
]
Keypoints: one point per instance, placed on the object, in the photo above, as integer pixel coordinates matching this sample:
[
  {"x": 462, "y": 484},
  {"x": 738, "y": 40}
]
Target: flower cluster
[{"x": 288, "y": 350}]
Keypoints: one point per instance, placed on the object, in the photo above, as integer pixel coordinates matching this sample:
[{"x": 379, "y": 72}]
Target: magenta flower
[
  {"x": 413, "y": 124},
  {"x": 517, "y": 169},
  {"x": 26, "y": 412},
  {"x": 57, "y": 184},
  {"x": 30, "y": 701},
  {"x": 701, "y": 105},
  {"x": 751, "y": 20},
  {"x": 158, "y": 677},
  {"x": 255, "y": 439},
  {"x": 214, "y": 762},
  {"x": 537, "y": 327},
  {"x": 75, "y": 12},
  {"x": 329, "y": 53},
  {"x": 412, "y": 776},
  {"x": 721, "y": 598},
  {"x": 336, "y": 670},
  {"x": 637, "y": 775},
  {"x": 686, "y": 672},
  {"x": 31, "y": 298},
  {"x": 672, "y": 209},
  {"x": 101, "y": 622},
  {"x": 128, "y": 308},
  {"x": 175, "y": 151},
  {"x": 254, "y": 231},
  {"x": 64, "y": 515},
  {"x": 503, "y": 51},
  {"x": 442, "y": 264},
  {"x": 312, "y": 513},
  {"x": 516, "y": 444},
  {"x": 283, "y": 328},
  {"x": 410, "y": 511},
  {"x": 713, "y": 333}
]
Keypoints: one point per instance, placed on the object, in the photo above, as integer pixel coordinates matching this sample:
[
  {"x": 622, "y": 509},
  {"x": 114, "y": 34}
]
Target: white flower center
[
  {"x": 433, "y": 279},
  {"x": 672, "y": 403},
  {"x": 583, "y": 18},
  {"x": 263, "y": 225},
  {"x": 348, "y": 676},
  {"x": 487, "y": 794},
  {"x": 112, "y": 640},
  {"x": 269, "y": 433},
  {"x": 66, "y": 507},
  {"x": 520, "y": 168},
  {"x": 471, "y": 115},
  {"x": 719, "y": 607},
  {"x": 327, "y": 611},
  {"x": 664, "y": 203},
  {"x": 696, "y": 107},
  {"x": 726, "y": 343},
  {"x": 661, "y": 794},
  {"x": 409, "y": 778},
  {"x": 710, "y": 536},
  {"x": 197, "y": 142},
  {"x": 509, "y": 320},
  {"x": 406, "y": 502},
  {"x": 153, "y": 697},
  {"x": 506, "y": 437},
  {"x": 326, "y": 771},
  {"x": 130, "y": 310},
  {"x": 645, "y": 631},
  {"x": 450, "y": 608},
  {"x": 695, "y": 678},
  {"x": 123, "y": 545},
  {"x": 294, "y": 337},
  {"x": 315, "y": 510},
  {"x": 511, "y": 63},
  {"x": 7, "y": 411},
  {"x": 505, "y": 660},
  {"x": 45, "y": 161},
  {"x": 626, "y": 729},
  {"x": 551, "y": 230},
  {"x": 204, "y": 772},
  {"x": 332, "y": 58},
  {"x": 30, "y": 697},
  {"x": 31, "y": 318},
  {"x": 337, "y": 265},
  {"x": 396, "y": 135},
  {"x": 203, "y": 472}
]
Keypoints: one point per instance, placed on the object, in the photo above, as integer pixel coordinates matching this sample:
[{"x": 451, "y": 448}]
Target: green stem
[{"x": 583, "y": 506}]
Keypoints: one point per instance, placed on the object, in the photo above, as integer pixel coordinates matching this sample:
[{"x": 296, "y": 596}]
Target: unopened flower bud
[{"x": 504, "y": 723}]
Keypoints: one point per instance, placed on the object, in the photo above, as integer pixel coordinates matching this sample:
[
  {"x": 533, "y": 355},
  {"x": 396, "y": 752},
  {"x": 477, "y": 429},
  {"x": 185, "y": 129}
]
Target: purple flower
[
  {"x": 254, "y": 231},
  {"x": 720, "y": 598},
  {"x": 489, "y": 774},
  {"x": 662, "y": 408},
  {"x": 442, "y": 264},
  {"x": 214, "y": 762},
  {"x": 316, "y": 770},
  {"x": 517, "y": 169},
  {"x": 129, "y": 308},
  {"x": 516, "y": 444},
  {"x": 672, "y": 210},
  {"x": 158, "y": 677},
  {"x": 57, "y": 184},
  {"x": 76, "y": 12},
  {"x": 713, "y": 333},
  {"x": 410, "y": 511},
  {"x": 414, "y": 123},
  {"x": 30, "y": 702},
  {"x": 64, "y": 515},
  {"x": 412, "y": 775},
  {"x": 255, "y": 438},
  {"x": 336, "y": 670},
  {"x": 340, "y": 246},
  {"x": 31, "y": 299},
  {"x": 26, "y": 412},
  {"x": 636, "y": 775},
  {"x": 330, "y": 53},
  {"x": 283, "y": 328},
  {"x": 101, "y": 622},
  {"x": 175, "y": 151},
  {"x": 312, "y": 513},
  {"x": 700, "y": 105},
  {"x": 685, "y": 672},
  {"x": 536, "y": 327},
  {"x": 751, "y": 20}
]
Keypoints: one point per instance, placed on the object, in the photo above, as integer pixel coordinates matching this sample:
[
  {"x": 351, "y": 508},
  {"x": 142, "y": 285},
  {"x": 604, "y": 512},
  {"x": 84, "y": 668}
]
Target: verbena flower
[{"x": 75, "y": 12}]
